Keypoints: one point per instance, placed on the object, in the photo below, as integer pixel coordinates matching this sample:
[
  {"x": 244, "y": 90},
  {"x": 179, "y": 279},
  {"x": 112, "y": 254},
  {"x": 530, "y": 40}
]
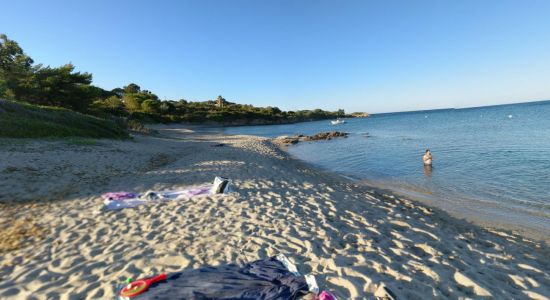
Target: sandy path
[{"x": 350, "y": 237}]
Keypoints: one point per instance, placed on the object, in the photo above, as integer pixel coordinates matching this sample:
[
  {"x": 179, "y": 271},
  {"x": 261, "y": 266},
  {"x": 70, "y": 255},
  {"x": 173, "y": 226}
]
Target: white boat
[{"x": 337, "y": 121}]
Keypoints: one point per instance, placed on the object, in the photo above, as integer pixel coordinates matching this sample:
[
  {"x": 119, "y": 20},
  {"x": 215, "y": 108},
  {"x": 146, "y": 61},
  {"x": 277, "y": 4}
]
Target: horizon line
[{"x": 458, "y": 108}]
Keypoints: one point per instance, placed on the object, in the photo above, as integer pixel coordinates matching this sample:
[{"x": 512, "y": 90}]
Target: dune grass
[{"x": 22, "y": 120}]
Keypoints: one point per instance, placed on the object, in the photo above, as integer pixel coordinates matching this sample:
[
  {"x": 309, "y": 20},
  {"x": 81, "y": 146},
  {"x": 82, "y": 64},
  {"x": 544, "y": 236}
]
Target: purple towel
[
  {"x": 120, "y": 200},
  {"x": 173, "y": 195},
  {"x": 119, "y": 196}
]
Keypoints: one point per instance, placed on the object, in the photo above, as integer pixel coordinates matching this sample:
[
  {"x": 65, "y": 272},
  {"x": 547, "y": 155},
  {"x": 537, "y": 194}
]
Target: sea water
[{"x": 491, "y": 164}]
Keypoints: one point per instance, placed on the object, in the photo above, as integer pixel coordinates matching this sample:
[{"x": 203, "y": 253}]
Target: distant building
[{"x": 220, "y": 102}]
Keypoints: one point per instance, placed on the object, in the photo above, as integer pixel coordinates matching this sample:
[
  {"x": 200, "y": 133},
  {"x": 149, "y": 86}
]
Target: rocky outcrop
[
  {"x": 360, "y": 115},
  {"x": 323, "y": 136}
]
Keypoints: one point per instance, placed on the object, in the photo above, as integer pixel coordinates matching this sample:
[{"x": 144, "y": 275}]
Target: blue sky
[{"x": 374, "y": 56}]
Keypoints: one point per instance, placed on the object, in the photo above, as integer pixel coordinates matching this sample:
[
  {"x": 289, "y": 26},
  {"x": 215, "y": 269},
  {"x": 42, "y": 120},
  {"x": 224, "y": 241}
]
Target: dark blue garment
[{"x": 262, "y": 279}]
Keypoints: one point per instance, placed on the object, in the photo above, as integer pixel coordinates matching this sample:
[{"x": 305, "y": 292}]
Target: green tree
[
  {"x": 112, "y": 105},
  {"x": 23, "y": 81},
  {"x": 64, "y": 87},
  {"x": 150, "y": 106},
  {"x": 131, "y": 103},
  {"x": 15, "y": 69},
  {"x": 149, "y": 95},
  {"x": 166, "y": 107},
  {"x": 132, "y": 88},
  {"x": 118, "y": 92}
]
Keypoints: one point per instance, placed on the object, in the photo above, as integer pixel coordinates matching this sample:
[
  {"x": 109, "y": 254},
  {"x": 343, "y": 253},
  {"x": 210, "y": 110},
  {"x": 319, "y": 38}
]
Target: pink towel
[{"x": 324, "y": 295}]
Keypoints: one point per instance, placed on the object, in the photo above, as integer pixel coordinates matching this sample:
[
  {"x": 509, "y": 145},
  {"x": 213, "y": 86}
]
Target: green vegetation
[
  {"x": 144, "y": 105},
  {"x": 31, "y": 121},
  {"x": 24, "y": 81}
]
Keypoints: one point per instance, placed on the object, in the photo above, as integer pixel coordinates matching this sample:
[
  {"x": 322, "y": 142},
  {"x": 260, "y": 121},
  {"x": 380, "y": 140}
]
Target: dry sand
[{"x": 57, "y": 245}]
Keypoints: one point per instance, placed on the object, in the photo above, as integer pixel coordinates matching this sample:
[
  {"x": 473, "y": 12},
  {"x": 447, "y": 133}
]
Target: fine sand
[{"x": 55, "y": 243}]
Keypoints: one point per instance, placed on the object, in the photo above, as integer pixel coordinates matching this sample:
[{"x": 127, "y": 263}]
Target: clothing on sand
[
  {"x": 261, "y": 279},
  {"x": 115, "y": 203},
  {"x": 120, "y": 200}
]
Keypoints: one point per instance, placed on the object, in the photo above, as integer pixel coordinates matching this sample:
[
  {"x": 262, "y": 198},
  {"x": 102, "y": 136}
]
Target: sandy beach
[{"x": 57, "y": 244}]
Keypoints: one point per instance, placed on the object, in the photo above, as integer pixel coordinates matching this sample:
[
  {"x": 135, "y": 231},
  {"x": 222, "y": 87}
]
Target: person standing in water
[{"x": 427, "y": 158}]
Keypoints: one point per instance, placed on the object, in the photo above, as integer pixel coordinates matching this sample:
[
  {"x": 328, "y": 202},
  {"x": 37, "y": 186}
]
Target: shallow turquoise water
[{"x": 493, "y": 162}]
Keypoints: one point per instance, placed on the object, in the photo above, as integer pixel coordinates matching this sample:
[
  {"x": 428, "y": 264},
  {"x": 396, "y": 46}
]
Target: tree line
[{"x": 21, "y": 79}]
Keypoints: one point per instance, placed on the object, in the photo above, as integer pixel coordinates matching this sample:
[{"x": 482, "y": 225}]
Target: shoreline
[
  {"x": 243, "y": 123},
  {"x": 532, "y": 232},
  {"x": 491, "y": 220},
  {"x": 352, "y": 238},
  {"x": 487, "y": 215}
]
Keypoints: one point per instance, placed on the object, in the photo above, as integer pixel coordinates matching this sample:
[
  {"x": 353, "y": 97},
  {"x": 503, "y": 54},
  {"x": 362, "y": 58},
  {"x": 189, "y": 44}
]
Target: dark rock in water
[
  {"x": 325, "y": 136},
  {"x": 288, "y": 140},
  {"x": 291, "y": 140}
]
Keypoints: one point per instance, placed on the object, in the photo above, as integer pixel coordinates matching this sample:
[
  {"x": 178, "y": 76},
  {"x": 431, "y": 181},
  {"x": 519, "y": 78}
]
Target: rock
[
  {"x": 325, "y": 136},
  {"x": 292, "y": 140},
  {"x": 360, "y": 115},
  {"x": 286, "y": 140}
]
